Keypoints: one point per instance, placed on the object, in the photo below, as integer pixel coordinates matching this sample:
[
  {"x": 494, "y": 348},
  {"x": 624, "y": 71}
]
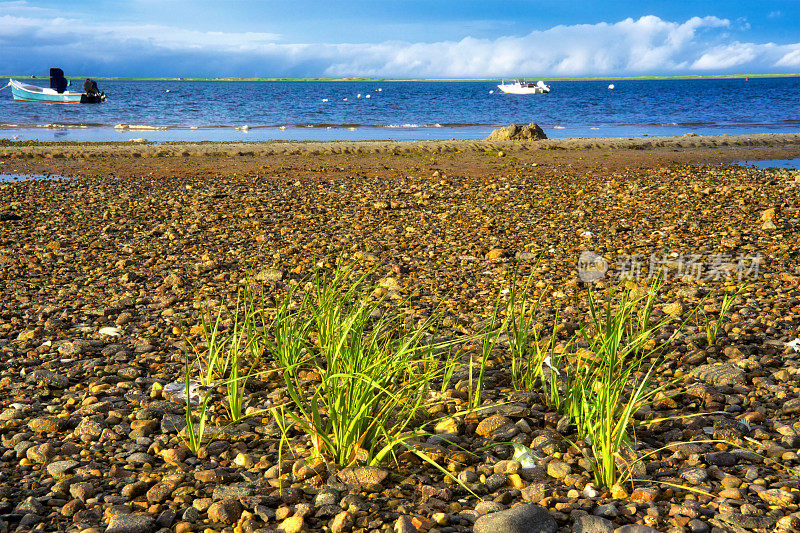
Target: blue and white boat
[{"x": 57, "y": 92}]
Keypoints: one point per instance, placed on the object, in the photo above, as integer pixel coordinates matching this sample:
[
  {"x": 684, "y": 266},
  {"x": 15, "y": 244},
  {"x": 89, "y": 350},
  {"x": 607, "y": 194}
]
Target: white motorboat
[{"x": 521, "y": 86}]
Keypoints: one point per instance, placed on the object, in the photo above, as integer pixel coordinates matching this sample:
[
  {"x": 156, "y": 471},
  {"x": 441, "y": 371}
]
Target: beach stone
[
  {"x": 61, "y": 469},
  {"x": 90, "y": 428},
  {"x": 131, "y": 523},
  {"x": 293, "y": 524},
  {"x": 30, "y": 505},
  {"x": 82, "y": 490},
  {"x": 191, "y": 515},
  {"x": 369, "y": 477},
  {"x": 534, "y": 492},
  {"x": 49, "y": 378},
  {"x": 486, "y": 507},
  {"x": 644, "y": 494},
  {"x": 606, "y": 510},
  {"x": 71, "y": 507},
  {"x": 791, "y": 407},
  {"x": 592, "y": 524},
  {"x": 40, "y": 454},
  {"x": 448, "y": 426},
  {"x": 269, "y": 275},
  {"x": 489, "y": 425},
  {"x": 777, "y": 497},
  {"x": 558, "y": 469},
  {"x": 729, "y": 430},
  {"x": 635, "y": 528},
  {"x": 719, "y": 374},
  {"x": 166, "y": 518},
  {"x": 159, "y": 492},
  {"x": 721, "y": 459},
  {"x": 341, "y": 523},
  {"x": 47, "y": 424},
  {"x": 496, "y": 480},
  {"x": 404, "y": 524},
  {"x": 523, "y": 518},
  {"x": 225, "y": 511},
  {"x": 694, "y": 475},
  {"x": 135, "y": 489},
  {"x": 789, "y": 523}
]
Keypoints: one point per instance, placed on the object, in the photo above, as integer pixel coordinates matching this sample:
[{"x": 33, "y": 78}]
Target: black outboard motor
[
  {"x": 90, "y": 87},
  {"x": 92, "y": 94},
  {"x": 57, "y": 80}
]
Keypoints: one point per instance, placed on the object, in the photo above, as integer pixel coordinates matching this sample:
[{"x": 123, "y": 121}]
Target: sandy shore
[
  {"x": 103, "y": 278},
  {"x": 738, "y": 144}
]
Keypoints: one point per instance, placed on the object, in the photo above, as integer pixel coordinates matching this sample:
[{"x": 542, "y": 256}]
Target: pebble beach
[{"x": 112, "y": 252}]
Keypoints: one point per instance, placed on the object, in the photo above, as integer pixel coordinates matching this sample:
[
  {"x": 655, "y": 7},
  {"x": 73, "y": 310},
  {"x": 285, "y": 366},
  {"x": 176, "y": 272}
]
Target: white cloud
[{"x": 647, "y": 45}]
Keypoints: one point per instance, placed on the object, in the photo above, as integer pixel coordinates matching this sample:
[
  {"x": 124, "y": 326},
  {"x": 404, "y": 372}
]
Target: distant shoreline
[{"x": 390, "y": 80}]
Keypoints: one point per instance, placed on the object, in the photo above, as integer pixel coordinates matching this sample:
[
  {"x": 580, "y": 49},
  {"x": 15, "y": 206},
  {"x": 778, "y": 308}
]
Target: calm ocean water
[{"x": 217, "y": 111}]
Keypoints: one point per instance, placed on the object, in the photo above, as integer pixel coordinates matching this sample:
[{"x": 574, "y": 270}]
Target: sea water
[{"x": 178, "y": 110}]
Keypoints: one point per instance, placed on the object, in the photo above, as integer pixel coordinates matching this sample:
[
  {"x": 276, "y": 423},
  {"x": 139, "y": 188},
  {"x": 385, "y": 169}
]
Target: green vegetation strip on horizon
[{"x": 389, "y": 80}]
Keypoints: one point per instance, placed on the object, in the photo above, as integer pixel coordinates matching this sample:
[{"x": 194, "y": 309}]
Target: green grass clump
[
  {"x": 373, "y": 376},
  {"x": 612, "y": 379},
  {"x": 220, "y": 361},
  {"x": 534, "y": 359},
  {"x": 713, "y": 327},
  {"x": 603, "y": 376}
]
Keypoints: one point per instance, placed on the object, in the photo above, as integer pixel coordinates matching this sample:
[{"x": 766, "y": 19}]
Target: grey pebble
[
  {"x": 791, "y": 407},
  {"x": 131, "y": 523},
  {"x": 60, "y": 469},
  {"x": 592, "y": 524},
  {"x": 48, "y": 377},
  {"x": 634, "y": 528},
  {"x": 495, "y": 481},
  {"x": 694, "y": 475},
  {"x": 486, "y": 507},
  {"x": 191, "y": 515},
  {"x": 522, "y": 518}
]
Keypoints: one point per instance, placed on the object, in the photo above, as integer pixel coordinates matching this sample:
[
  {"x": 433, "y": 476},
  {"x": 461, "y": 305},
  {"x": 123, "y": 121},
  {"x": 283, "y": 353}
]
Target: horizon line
[{"x": 391, "y": 79}]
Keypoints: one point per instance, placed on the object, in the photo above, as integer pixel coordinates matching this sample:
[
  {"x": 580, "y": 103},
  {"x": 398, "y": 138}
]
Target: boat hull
[
  {"x": 28, "y": 93},
  {"x": 514, "y": 89},
  {"x": 521, "y": 86}
]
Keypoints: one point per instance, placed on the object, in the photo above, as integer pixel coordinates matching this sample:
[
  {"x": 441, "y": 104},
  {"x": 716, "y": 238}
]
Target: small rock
[
  {"x": 225, "y": 511},
  {"x": 592, "y": 524},
  {"x": 61, "y": 469},
  {"x": 404, "y": 524},
  {"x": 496, "y": 253},
  {"x": 558, "y": 469},
  {"x": 635, "y": 528},
  {"x": 777, "y": 497},
  {"x": 293, "y": 524},
  {"x": 523, "y": 518},
  {"x": 490, "y": 424},
  {"x": 47, "y": 377},
  {"x": 341, "y": 522},
  {"x": 131, "y": 523},
  {"x": 46, "y": 424},
  {"x": 269, "y": 275},
  {"x": 720, "y": 374}
]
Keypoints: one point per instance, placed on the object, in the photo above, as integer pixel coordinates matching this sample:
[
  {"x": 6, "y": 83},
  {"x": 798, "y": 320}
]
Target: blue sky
[{"x": 398, "y": 38}]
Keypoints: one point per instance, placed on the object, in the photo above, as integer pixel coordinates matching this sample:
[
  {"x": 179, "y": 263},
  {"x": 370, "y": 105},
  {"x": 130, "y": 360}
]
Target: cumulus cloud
[{"x": 647, "y": 45}]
